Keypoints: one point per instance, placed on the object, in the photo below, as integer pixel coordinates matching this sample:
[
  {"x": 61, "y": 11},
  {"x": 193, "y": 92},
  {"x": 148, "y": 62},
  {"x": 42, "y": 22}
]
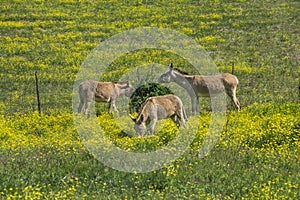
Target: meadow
[{"x": 257, "y": 154}]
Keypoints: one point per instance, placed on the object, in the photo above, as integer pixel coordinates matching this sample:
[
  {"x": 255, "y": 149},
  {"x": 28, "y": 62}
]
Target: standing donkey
[
  {"x": 102, "y": 92},
  {"x": 202, "y": 86},
  {"x": 157, "y": 108}
]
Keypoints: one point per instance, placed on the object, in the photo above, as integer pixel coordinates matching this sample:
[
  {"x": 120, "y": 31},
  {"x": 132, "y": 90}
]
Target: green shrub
[{"x": 145, "y": 91}]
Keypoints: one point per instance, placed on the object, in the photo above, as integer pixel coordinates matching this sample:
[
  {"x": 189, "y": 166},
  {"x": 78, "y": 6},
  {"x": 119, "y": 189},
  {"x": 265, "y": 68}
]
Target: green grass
[
  {"x": 257, "y": 156},
  {"x": 53, "y": 38}
]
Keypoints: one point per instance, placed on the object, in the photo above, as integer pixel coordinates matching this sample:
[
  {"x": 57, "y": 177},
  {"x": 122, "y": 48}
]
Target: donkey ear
[
  {"x": 171, "y": 66},
  {"x": 131, "y": 117}
]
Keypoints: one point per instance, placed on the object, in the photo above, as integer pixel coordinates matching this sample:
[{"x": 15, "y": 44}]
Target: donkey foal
[{"x": 157, "y": 108}]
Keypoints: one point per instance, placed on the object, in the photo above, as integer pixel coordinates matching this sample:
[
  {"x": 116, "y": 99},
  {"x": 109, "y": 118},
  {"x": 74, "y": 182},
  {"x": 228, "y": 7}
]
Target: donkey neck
[
  {"x": 182, "y": 80},
  {"x": 121, "y": 87},
  {"x": 144, "y": 111}
]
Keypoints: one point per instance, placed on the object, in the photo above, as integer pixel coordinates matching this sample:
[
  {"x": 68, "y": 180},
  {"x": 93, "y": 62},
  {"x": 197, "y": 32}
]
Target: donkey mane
[
  {"x": 144, "y": 106},
  {"x": 120, "y": 82},
  {"x": 180, "y": 71}
]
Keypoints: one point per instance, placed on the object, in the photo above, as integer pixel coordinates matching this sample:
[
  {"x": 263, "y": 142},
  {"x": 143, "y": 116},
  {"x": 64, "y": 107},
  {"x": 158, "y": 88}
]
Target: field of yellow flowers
[
  {"x": 43, "y": 157},
  {"x": 257, "y": 157}
]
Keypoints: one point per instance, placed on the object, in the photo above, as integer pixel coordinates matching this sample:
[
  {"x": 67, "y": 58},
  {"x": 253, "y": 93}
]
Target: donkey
[
  {"x": 202, "y": 86},
  {"x": 157, "y": 108},
  {"x": 102, "y": 92}
]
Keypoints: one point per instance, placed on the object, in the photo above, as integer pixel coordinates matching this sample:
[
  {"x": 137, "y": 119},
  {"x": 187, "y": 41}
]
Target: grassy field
[
  {"x": 257, "y": 155},
  {"x": 53, "y": 38}
]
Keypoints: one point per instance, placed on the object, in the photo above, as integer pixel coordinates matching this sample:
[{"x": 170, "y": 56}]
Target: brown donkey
[
  {"x": 102, "y": 92},
  {"x": 157, "y": 108},
  {"x": 202, "y": 86}
]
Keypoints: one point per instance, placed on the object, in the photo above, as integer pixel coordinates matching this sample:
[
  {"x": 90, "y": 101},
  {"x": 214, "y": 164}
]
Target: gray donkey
[
  {"x": 202, "y": 86},
  {"x": 102, "y": 92},
  {"x": 157, "y": 108}
]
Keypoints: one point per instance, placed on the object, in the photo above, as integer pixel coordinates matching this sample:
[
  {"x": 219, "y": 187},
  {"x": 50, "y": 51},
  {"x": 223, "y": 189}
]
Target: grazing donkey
[
  {"x": 157, "y": 108},
  {"x": 102, "y": 92},
  {"x": 202, "y": 86}
]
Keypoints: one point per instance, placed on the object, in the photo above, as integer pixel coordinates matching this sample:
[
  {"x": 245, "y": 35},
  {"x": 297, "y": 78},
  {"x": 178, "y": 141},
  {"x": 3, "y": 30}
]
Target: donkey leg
[
  {"x": 235, "y": 100},
  {"x": 112, "y": 105},
  {"x": 175, "y": 120},
  {"x": 87, "y": 106},
  {"x": 80, "y": 106},
  {"x": 237, "y": 103},
  {"x": 195, "y": 105},
  {"x": 184, "y": 114},
  {"x": 90, "y": 96},
  {"x": 151, "y": 126},
  {"x": 179, "y": 118},
  {"x": 82, "y": 99},
  {"x": 232, "y": 95},
  {"x": 183, "y": 118}
]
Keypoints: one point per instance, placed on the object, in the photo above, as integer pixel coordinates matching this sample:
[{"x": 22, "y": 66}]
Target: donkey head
[
  {"x": 125, "y": 88},
  {"x": 166, "y": 77},
  {"x": 129, "y": 90},
  {"x": 139, "y": 127}
]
